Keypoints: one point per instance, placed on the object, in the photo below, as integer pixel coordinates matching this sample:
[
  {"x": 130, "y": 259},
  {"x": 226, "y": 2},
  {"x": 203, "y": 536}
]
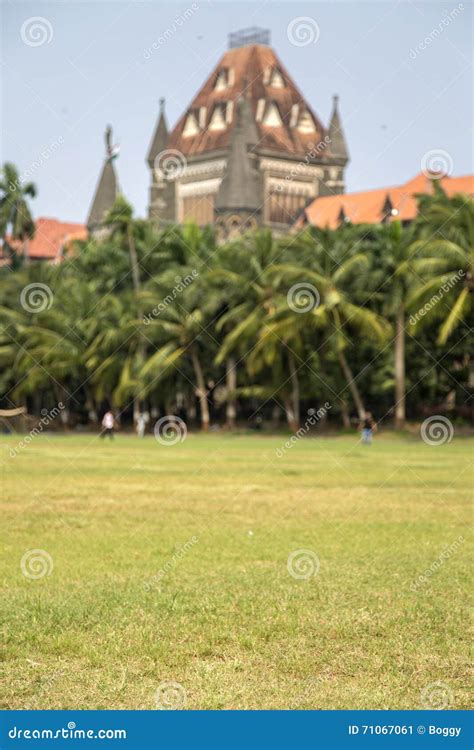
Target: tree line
[{"x": 260, "y": 330}]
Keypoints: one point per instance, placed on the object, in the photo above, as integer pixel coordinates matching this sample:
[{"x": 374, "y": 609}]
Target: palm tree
[
  {"x": 332, "y": 268},
  {"x": 444, "y": 258},
  {"x": 15, "y": 215},
  {"x": 390, "y": 242},
  {"x": 250, "y": 294}
]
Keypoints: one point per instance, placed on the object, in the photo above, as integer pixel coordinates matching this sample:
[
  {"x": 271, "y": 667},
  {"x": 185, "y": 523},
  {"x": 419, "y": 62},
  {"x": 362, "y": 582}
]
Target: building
[
  {"x": 382, "y": 204},
  {"x": 249, "y": 150},
  {"x": 52, "y": 240}
]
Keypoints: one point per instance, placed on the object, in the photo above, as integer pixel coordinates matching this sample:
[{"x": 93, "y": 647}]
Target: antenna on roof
[{"x": 252, "y": 35}]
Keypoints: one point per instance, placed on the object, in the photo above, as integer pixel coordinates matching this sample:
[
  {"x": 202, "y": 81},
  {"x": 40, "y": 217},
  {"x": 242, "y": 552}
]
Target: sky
[{"x": 403, "y": 72}]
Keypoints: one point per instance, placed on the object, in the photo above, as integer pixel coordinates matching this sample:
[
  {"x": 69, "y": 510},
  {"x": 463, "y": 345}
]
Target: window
[
  {"x": 305, "y": 122},
  {"x": 218, "y": 118},
  {"x": 191, "y": 126},
  {"x": 272, "y": 116},
  {"x": 225, "y": 79}
]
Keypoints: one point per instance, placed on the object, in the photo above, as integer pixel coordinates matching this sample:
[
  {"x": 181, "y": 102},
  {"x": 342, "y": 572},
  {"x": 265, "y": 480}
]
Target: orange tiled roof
[
  {"x": 51, "y": 238},
  {"x": 248, "y": 64},
  {"x": 370, "y": 206}
]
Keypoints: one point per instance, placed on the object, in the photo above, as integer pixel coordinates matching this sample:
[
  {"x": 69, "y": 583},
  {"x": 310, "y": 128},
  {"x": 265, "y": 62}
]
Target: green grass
[{"x": 227, "y": 621}]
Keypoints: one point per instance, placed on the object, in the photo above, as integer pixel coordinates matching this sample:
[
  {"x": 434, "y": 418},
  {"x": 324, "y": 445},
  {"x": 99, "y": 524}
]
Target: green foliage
[{"x": 159, "y": 316}]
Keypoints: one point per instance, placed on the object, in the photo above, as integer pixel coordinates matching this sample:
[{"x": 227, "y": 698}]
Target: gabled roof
[
  {"x": 52, "y": 238},
  {"x": 370, "y": 206},
  {"x": 248, "y": 70}
]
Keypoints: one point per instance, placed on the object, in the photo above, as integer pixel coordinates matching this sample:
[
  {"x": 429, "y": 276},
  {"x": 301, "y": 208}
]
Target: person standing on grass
[
  {"x": 108, "y": 423},
  {"x": 369, "y": 426},
  {"x": 142, "y": 422}
]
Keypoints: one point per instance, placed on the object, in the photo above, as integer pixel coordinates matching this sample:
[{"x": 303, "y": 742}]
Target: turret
[
  {"x": 107, "y": 189},
  {"x": 337, "y": 138}
]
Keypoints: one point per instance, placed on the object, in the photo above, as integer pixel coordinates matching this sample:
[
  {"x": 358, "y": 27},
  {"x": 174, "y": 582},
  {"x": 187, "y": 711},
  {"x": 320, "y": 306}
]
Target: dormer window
[
  {"x": 272, "y": 117},
  {"x": 305, "y": 122},
  {"x": 218, "y": 118},
  {"x": 191, "y": 126},
  {"x": 276, "y": 79},
  {"x": 224, "y": 80}
]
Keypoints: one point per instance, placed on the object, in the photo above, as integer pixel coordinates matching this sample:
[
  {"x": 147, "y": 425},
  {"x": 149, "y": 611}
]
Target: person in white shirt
[{"x": 108, "y": 422}]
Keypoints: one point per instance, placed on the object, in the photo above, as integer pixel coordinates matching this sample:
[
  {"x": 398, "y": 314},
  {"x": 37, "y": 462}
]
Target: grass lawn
[{"x": 219, "y": 516}]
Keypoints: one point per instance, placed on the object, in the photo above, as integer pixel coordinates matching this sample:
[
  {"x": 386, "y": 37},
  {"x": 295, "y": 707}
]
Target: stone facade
[{"x": 248, "y": 152}]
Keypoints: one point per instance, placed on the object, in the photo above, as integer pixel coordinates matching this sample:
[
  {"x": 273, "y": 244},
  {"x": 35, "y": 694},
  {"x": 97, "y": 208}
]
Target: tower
[
  {"x": 248, "y": 150},
  {"x": 239, "y": 199},
  {"x": 161, "y": 192},
  {"x": 106, "y": 190}
]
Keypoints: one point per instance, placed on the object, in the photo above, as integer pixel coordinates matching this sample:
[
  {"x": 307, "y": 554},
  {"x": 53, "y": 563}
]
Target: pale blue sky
[{"x": 397, "y": 101}]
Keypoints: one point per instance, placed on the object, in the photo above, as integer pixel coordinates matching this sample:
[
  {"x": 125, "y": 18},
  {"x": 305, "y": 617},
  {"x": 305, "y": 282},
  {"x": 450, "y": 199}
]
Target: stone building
[{"x": 249, "y": 150}]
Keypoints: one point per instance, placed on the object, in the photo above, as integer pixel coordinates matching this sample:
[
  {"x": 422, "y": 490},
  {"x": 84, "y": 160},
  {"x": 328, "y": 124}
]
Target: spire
[
  {"x": 240, "y": 188},
  {"x": 160, "y": 138},
  {"x": 336, "y": 133},
  {"x": 106, "y": 190}
]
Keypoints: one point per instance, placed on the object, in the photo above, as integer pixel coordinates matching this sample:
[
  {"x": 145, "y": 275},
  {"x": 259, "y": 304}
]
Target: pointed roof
[
  {"x": 336, "y": 134},
  {"x": 240, "y": 187},
  {"x": 255, "y": 63},
  {"x": 160, "y": 137},
  {"x": 106, "y": 190}
]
